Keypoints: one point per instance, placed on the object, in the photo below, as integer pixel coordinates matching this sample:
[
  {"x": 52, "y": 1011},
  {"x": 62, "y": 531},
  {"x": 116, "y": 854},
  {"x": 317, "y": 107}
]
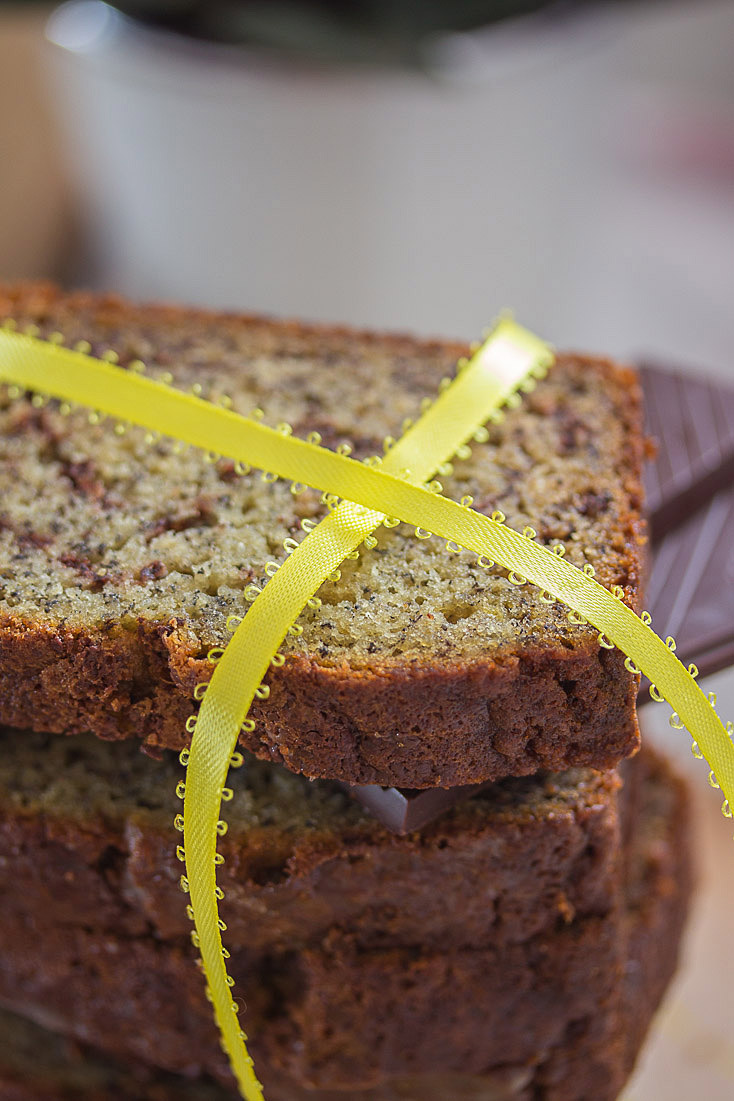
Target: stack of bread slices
[{"x": 516, "y": 946}]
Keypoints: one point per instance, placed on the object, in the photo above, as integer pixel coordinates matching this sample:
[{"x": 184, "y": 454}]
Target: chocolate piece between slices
[
  {"x": 689, "y": 488},
  {"x": 406, "y": 809}
]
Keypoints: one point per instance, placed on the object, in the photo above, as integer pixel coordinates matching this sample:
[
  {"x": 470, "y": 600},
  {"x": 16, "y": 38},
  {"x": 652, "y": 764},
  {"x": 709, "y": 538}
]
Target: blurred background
[
  {"x": 382, "y": 162},
  {"x": 406, "y": 165}
]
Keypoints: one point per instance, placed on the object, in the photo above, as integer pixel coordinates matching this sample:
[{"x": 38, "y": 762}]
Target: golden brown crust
[
  {"x": 430, "y": 709},
  {"x": 443, "y": 726},
  {"x": 448, "y": 725}
]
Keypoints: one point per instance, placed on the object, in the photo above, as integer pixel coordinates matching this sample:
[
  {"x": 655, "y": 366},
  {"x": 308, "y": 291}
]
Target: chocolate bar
[
  {"x": 690, "y": 494},
  {"x": 691, "y": 589},
  {"x": 405, "y": 809},
  {"x": 691, "y": 422}
]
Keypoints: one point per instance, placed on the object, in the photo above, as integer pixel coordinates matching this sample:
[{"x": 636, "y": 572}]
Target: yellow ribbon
[
  {"x": 369, "y": 494},
  {"x": 500, "y": 365}
]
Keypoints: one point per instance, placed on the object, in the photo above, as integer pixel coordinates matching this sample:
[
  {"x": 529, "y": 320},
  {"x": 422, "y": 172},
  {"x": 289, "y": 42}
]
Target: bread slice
[
  {"x": 583, "y": 1054},
  {"x": 123, "y": 559},
  {"x": 86, "y": 831}
]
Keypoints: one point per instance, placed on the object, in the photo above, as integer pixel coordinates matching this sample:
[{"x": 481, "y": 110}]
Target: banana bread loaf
[
  {"x": 589, "y": 1054},
  {"x": 420, "y": 669}
]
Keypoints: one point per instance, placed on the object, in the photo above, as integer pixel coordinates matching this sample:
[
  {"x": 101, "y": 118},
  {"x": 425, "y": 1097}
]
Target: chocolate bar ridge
[{"x": 692, "y": 424}]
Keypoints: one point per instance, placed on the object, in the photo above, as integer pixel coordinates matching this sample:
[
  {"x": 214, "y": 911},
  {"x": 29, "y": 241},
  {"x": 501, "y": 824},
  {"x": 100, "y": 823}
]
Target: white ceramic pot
[{"x": 389, "y": 198}]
